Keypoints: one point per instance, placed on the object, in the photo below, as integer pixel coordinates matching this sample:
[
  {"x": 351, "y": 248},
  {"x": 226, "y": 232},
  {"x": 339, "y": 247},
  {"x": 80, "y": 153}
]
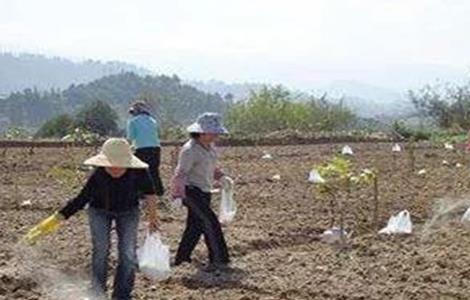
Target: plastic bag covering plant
[
  {"x": 332, "y": 235},
  {"x": 347, "y": 150},
  {"x": 267, "y": 156},
  {"x": 396, "y": 148},
  {"x": 466, "y": 216},
  {"x": 400, "y": 223},
  {"x": 449, "y": 146},
  {"x": 315, "y": 177}
]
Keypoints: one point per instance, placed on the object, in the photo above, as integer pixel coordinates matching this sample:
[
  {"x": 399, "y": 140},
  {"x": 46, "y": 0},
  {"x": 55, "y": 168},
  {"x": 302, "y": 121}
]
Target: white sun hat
[
  {"x": 116, "y": 152},
  {"x": 208, "y": 123}
]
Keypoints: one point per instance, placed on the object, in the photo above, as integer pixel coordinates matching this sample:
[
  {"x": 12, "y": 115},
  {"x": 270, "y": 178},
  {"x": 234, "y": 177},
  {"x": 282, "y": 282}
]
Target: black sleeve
[
  {"x": 145, "y": 183},
  {"x": 84, "y": 197}
]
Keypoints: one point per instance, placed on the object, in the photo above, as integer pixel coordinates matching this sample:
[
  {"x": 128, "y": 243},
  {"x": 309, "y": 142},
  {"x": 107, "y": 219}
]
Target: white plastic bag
[
  {"x": 172, "y": 204},
  {"x": 154, "y": 257},
  {"x": 466, "y": 216},
  {"x": 396, "y": 148},
  {"x": 315, "y": 177},
  {"x": 400, "y": 223},
  {"x": 449, "y": 146},
  {"x": 26, "y": 203},
  {"x": 347, "y": 150},
  {"x": 266, "y": 155},
  {"x": 228, "y": 206},
  {"x": 422, "y": 172},
  {"x": 333, "y": 235}
]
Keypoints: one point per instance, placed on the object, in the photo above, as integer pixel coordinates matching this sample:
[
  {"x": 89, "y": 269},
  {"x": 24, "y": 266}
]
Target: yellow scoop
[{"x": 48, "y": 225}]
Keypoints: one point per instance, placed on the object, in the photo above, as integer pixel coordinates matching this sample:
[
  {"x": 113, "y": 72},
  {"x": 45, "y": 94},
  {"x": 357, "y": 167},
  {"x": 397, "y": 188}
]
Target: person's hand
[
  {"x": 177, "y": 203},
  {"x": 217, "y": 184},
  {"x": 48, "y": 225},
  {"x": 151, "y": 211}
]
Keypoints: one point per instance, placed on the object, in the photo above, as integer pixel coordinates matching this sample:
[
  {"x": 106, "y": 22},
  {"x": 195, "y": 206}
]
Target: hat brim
[
  {"x": 196, "y": 128},
  {"x": 102, "y": 160}
]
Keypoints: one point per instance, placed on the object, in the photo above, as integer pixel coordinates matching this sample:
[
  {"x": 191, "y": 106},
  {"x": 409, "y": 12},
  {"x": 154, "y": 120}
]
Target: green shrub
[
  {"x": 57, "y": 127},
  {"x": 98, "y": 117},
  {"x": 407, "y": 132},
  {"x": 274, "y": 109},
  {"x": 16, "y": 133},
  {"x": 448, "y": 105}
]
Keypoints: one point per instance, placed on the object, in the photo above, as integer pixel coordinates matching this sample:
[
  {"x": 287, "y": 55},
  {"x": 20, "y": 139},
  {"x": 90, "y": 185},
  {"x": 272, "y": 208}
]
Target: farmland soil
[{"x": 275, "y": 242}]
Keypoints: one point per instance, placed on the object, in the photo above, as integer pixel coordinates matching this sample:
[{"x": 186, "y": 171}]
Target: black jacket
[{"x": 112, "y": 194}]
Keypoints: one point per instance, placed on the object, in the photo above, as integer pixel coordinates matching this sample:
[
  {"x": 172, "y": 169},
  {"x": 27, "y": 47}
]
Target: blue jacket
[{"x": 143, "y": 131}]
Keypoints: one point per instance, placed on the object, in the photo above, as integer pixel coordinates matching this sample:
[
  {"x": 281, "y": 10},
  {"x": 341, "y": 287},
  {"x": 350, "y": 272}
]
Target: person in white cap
[
  {"x": 112, "y": 194},
  {"x": 193, "y": 182}
]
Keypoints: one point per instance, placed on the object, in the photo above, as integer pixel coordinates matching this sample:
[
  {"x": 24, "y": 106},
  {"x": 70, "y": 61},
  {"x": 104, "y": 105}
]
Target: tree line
[
  {"x": 270, "y": 109},
  {"x": 101, "y": 107},
  {"x": 177, "y": 102}
]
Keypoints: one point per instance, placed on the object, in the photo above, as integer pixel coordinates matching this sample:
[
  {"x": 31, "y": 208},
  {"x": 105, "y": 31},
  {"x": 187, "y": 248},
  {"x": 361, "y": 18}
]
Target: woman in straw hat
[
  {"x": 112, "y": 194},
  {"x": 192, "y": 183},
  {"x": 143, "y": 131}
]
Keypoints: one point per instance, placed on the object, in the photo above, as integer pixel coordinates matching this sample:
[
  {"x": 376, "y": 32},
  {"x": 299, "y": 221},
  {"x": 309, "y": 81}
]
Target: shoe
[
  {"x": 216, "y": 268},
  {"x": 179, "y": 262}
]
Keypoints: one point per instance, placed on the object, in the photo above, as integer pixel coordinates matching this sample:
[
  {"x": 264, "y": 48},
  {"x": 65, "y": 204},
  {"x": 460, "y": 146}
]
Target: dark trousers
[
  {"x": 201, "y": 221},
  {"x": 152, "y": 156}
]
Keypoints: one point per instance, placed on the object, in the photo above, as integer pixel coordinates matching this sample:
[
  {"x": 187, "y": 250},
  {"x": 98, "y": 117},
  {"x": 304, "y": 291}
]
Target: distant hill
[
  {"x": 370, "y": 101},
  {"x": 18, "y": 72},
  {"x": 174, "y": 101},
  {"x": 25, "y": 77},
  {"x": 403, "y": 77},
  {"x": 366, "y": 100},
  {"x": 239, "y": 91}
]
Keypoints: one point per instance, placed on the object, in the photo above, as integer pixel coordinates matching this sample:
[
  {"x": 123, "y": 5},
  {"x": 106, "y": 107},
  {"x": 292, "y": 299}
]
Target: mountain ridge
[{"x": 22, "y": 71}]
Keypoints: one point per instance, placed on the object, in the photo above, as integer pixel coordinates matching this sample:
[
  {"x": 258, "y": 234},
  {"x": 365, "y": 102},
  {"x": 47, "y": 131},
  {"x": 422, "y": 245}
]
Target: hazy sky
[{"x": 297, "y": 42}]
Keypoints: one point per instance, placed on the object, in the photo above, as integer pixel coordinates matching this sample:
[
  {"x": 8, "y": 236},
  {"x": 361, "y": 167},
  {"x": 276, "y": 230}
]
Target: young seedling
[
  {"x": 16, "y": 188},
  {"x": 368, "y": 177},
  {"x": 411, "y": 154},
  {"x": 338, "y": 178},
  {"x": 462, "y": 157},
  {"x": 376, "y": 200}
]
